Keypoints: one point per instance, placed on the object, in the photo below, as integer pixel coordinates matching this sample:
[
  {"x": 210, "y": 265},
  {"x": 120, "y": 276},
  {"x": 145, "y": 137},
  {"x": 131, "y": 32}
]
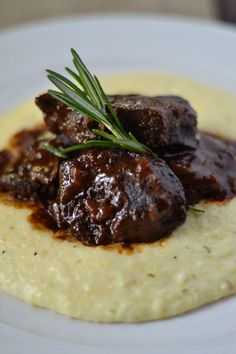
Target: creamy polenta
[{"x": 194, "y": 266}]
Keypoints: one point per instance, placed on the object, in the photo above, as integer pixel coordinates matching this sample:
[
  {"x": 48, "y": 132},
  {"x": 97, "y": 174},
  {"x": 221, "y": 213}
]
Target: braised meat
[
  {"x": 20, "y": 187},
  {"x": 209, "y": 172},
  {"x": 108, "y": 196},
  {"x": 40, "y": 165},
  {"x": 60, "y": 119},
  {"x": 161, "y": 122},
  {"x": 35, "y": 177}
]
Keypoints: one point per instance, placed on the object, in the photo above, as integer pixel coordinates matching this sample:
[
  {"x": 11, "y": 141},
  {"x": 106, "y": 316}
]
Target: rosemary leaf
[
  {"x": 54, "y": 150},
  {"x": 66, "y": 81},
  {"x": 74, "y": 75},
  {"x": 90, "y": 144},
  {"x": 109, "y": 105},
  {"x": 104, "y": 134},
  {"x": 197, "y": 210},
  {"x": 87, "y": 79}
]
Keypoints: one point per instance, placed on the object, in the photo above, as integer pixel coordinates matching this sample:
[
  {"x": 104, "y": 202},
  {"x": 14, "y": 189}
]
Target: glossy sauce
[{"x": 209, "y": 172}]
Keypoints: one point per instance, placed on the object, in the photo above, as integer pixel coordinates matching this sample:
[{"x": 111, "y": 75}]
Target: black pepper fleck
[
  {"x": 207, "y": 249},
  {"x": 151, "y": 275},
  {"x": 35, "y": 253},
  {"x": 4, "y": 251}
]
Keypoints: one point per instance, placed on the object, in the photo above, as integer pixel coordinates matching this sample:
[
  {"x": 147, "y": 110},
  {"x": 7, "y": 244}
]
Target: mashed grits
[{"x": 194, "y": 266}]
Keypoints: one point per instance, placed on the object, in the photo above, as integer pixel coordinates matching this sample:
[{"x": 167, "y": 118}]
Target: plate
[{"x": 200, "y": 50}]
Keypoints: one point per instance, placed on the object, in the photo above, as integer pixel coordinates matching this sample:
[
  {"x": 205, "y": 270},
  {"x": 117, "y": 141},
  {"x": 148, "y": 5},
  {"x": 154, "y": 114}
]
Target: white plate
[{"x": 201, "y": 50}]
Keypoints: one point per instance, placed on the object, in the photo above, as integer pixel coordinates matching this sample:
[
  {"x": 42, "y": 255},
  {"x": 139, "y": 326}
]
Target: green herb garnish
[
  {"x": 86, "y": 96},
  {"x": 197, "y": 210}
]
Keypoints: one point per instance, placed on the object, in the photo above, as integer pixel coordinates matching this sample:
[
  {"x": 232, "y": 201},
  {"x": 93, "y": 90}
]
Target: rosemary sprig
[
  {"x": 86, "y": 95},
  {"x": 196, "y": 210}
]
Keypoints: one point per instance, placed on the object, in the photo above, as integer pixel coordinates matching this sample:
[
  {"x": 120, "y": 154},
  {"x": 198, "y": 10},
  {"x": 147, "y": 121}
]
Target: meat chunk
[
  {"x": 108, "y": 196},
  {"x": 21, "y": 187},
  {"x": 208, "y": 172},
  {"x": 35, "y": 177},
  {"x": 60, "y": 119},
  {"x": 161, "y": 122},
  {"x": 40, "y": 165}
]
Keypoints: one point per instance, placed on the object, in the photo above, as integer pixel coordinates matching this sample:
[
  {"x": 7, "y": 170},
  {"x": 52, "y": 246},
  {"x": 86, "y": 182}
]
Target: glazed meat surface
[
  {"x": 61, "y": 119},
  {"x": 209, "y": 172},
  {"x": 161, "y": 122},
  {"x": 35, "y": 177},
  {"x": 20, "y": 187},
  {"x": 110, "y": 196}
]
